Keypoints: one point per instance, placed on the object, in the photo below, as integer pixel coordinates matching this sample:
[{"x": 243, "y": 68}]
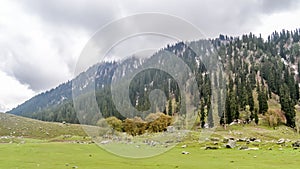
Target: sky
[{"x": 40, "y": 41}]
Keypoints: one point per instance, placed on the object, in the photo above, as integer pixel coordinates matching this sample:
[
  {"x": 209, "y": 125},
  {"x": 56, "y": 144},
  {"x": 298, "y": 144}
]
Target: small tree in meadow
[
  {"x": 158, "y": 122},
  {"x": 115, "y": 123},
  {"x": 135, "y": 126}
]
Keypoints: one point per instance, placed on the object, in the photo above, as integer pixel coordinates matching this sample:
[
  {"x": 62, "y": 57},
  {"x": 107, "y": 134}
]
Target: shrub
[
  {"x": 135, "y": 126},
  {"x": 102, "y": 123},
  {"x": 274, "y": 118},
  {"x": 115, "y": 123},
  {"x": 152, "y": 116},
  {"x": 158, "y": 122}
]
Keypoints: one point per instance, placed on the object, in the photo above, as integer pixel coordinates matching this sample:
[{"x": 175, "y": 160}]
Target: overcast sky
[{"x": 40, "y": 41}]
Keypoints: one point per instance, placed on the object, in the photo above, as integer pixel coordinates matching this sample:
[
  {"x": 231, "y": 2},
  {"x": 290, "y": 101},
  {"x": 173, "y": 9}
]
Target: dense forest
[{"x": 254, "y": 71}]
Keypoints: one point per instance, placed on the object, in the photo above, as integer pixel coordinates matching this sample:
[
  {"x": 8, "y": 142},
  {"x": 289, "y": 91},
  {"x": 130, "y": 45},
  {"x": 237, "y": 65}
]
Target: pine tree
[
  {"x": 228, "y": 117},
  {"x": 230, "y": 104},
  {"x": 299, "y": 69},
  {"x": 262, "y": 101},
  {"x": 202, "y": 114},
  {"x": 250, "y": 98},
  {"x": 170, "y": 107},
  {"x": 287, "y": 106},
  {"x": 256, "y": 118}
]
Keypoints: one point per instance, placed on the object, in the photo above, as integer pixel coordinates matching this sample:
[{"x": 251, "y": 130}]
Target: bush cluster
[{"x": 153, "y": 123}]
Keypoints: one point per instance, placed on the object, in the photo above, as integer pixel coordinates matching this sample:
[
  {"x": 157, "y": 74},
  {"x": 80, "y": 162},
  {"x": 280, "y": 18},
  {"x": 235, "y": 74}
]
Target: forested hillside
[{"x": 254, "y": 71}]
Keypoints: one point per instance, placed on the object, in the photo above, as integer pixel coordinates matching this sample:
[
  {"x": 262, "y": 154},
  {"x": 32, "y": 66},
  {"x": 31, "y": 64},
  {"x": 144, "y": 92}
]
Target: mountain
[
  {"x": 60, "y": 98},
  {"x": 252, "y": 73}
]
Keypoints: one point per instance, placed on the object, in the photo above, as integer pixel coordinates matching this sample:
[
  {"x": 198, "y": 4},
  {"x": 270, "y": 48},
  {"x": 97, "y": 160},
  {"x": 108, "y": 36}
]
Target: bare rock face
[
  {"x": 185, "y": 152},
  {"x": 254, "y": 148},
  {"x": 231, "y": 144},
  {"x": 225, "y": 140},
  {"x": 296, "y": 144},
  {"x": 104, "y": 142},
  {"x": 242, "y": 140},
  {"x": 211, "y": 148},
  {"x": 281, "y": 141},
  {"x": 243, "y": 148},
  {"x": 252, "y": 138}
]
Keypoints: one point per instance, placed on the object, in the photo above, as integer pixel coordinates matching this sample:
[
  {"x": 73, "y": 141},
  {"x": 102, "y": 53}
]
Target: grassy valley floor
[
  {"x": 30, "y": 144},
  {"x": 90, "y": 156}
]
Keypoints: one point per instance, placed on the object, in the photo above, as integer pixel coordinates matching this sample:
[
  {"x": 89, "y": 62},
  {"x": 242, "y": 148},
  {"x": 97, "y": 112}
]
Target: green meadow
[
  {"x": 90, "y": 156},
  {"x": 47, "y": 145}
]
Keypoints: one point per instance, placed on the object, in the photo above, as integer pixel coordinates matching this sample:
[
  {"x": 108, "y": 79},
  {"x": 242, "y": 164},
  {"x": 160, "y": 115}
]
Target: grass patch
[
  {"x": 65, "y": 146},
  {"x": 11, "y": 125},
  {"x": 67, "y": 155}
]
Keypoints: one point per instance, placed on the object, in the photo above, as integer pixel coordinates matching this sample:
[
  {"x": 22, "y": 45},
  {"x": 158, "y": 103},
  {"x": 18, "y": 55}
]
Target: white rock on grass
[
  {"x": 254, "y": 148},
  {"x": 104, "y": 142},
  {"x": 231, "y": 144},
  {"x": 281, "y": 141}
]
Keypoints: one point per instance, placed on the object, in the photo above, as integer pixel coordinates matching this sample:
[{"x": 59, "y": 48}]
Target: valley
[{"x": 67, "y": 146}]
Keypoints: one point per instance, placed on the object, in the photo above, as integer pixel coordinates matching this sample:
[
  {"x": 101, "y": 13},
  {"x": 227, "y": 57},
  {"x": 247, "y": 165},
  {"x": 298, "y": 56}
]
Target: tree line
[{"x": 253, "y": 68}]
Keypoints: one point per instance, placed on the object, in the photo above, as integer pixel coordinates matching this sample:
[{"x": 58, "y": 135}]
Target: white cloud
[
  {"x": 40, "y": 41},
  {"x": 12, "y": 92},
  {"x": 278, "y": 21},
  {"x": 213, "y": 17},
  {"x": 36, "y": 53}
]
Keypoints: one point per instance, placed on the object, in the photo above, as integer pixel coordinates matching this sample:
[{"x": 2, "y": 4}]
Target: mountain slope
[
  {"x": 11, "y": 125},
  {"x": 249, "y": 64}
]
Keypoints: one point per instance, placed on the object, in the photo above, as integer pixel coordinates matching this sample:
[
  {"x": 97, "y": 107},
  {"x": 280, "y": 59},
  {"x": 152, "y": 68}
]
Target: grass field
[
  {"x": 11, "y": 125},
  {"x": 30, "y": 144},
  {"x": 89, "y": 156}
]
